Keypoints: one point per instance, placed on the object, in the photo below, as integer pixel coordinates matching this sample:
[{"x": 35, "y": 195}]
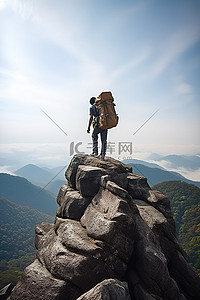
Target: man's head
[{"x": 92, "y": 100}]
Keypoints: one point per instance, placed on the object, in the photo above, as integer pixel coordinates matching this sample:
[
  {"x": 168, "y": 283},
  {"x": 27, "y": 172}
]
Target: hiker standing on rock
[
  {"x": 94, "y": 119},
  {"x": 103, "y": 116}
]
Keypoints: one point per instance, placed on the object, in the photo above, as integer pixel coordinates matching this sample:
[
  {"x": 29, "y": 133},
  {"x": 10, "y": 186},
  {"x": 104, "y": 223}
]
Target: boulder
[
  {"x": 41, "y": 231},
  {"x": 37, "y": 283},
  {"x": 151, "y": 216},
  {"x": 109, "y": 289},
  {"x": 68, "y": 253},
  {"x": 110, "y": 218},
  {"x": 70, "y": 174},
  {"x": 72, "y": 204},
  {"x": 138, "y": 187},
  {"x": 110, "y": 165},
  {"x": 6, "y": 291},
  {"x": 162, "y": 204},
  {"x": 117, "y": 190},
  {"x": 119, "y": 179},
  {"x": 61, "y": 195},
  {"x": 88, "y": 180}
]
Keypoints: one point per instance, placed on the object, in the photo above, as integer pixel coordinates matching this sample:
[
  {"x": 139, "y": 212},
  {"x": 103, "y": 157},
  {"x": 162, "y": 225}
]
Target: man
[{"x": 94, "y": 114}]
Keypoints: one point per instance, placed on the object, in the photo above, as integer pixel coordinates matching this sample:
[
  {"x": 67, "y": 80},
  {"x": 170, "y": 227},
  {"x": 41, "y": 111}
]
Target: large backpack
[{"x": 107, "y": 114}]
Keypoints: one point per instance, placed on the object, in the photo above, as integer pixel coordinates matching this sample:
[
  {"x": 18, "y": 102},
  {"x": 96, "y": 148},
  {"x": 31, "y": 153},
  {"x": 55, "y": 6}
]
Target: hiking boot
[
  {"x": 94, "y": 154},
  {"x": 102, "y": 156}
]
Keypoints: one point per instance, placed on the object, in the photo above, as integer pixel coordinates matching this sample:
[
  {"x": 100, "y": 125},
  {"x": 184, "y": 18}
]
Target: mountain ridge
[
  {"x": 21, "y": 191},
  {"x": 157, "y": 175}
]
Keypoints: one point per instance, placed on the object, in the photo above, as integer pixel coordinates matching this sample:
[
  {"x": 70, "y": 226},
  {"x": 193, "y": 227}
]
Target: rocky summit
[{"x": 113, "y": 238}]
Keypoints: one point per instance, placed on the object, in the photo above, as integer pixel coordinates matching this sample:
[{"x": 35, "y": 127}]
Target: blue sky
[{"x": 55, "y": 55}]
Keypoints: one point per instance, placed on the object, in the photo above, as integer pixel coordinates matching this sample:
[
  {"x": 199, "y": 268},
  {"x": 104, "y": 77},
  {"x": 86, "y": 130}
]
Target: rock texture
[
  {"x": 6, "y": 291},
  {"x": 113, "y": 238},
  {"x": 110, "y": 289}
]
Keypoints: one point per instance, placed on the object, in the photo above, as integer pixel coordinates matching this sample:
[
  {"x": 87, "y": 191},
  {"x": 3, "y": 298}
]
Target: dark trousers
[{"x": 103, "y": 134}]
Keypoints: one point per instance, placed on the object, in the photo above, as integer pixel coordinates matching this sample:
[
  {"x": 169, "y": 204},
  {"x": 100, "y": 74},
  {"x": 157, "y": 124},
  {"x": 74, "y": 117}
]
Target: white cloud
[
  {"x": 6, "y": 169},
  {"x": 192, "y": 175}
]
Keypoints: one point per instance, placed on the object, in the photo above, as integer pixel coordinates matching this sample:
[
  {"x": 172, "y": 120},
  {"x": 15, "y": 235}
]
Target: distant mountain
[
  {"x": 185, "y": 204},
  {"x": 156, "y": 175},
  {"x": 155, "y": 156},
  {"x": 35, "y": 174},
  {"x": 142, "y": 162},
  {"x": 17, "y": 229},
  {"x": 54, "y": 186},
  {"x": 190, "y": 163},
  {"x": 43, "y": 176},
  {"x": 21, "y": 191},
  {"x": 58, "y": 170}
]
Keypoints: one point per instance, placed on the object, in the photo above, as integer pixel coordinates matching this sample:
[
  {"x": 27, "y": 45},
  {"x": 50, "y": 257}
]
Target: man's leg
[
  {"x": 104, "y": 133},
  {"x": 95, "y": 140}
]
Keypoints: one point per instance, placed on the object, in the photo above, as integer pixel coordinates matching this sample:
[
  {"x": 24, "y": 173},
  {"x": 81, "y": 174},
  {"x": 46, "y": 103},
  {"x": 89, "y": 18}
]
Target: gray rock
[
  {"x": 113, "y": 184},
  {"x": 68, "y": 253},
  {"x": 73, "y": 236},
  {"x": 136, "y": 286},
  {"x": 72, "y": 205},
  {"x": 38, "y": 284},
  {"x": 110, "y": 165},
  {"x": 40, "y": 233},
  {"x": 119, "y": 179},
  {"x": 88, "y": 180},
  {"x": 117, "y": 190},
  {"x": 110, "y": 289},
  {"x": 63, "y": 190},
  {"x": 157, "y": 221},
  {"x": 185, "y": 276},
  {"x": 6, "y": 291},
  {"x": 151, "y": 216},
  {"x": 70, "y": 173},
  {"x": 138, "y": 187},
  {"x": 151, "y": 265},
  {"x": 110, "y": 218},
  {"x": 161, "y": 203},
  {"x": 141, "y": 293}
]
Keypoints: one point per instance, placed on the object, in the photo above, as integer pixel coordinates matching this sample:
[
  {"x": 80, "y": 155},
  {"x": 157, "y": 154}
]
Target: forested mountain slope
[
  {"x": 185, "y": 204},
  {"x": 21, "y": 191}
]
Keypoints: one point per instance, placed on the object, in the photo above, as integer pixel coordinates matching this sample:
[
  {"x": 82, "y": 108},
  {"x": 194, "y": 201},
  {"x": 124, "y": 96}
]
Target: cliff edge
[{"x": 113, "y": 238}]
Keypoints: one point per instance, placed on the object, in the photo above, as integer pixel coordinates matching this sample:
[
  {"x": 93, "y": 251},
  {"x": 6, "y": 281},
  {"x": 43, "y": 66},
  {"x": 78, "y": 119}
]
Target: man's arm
[{"x": 90, "y": 122}]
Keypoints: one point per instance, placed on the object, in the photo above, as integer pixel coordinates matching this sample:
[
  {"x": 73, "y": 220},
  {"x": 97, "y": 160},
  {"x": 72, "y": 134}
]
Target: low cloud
[{"x": 7, "y": 170}]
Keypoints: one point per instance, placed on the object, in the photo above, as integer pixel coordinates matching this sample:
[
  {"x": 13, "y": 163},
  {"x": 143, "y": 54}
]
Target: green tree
[{"x": 185, "y": 204}]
